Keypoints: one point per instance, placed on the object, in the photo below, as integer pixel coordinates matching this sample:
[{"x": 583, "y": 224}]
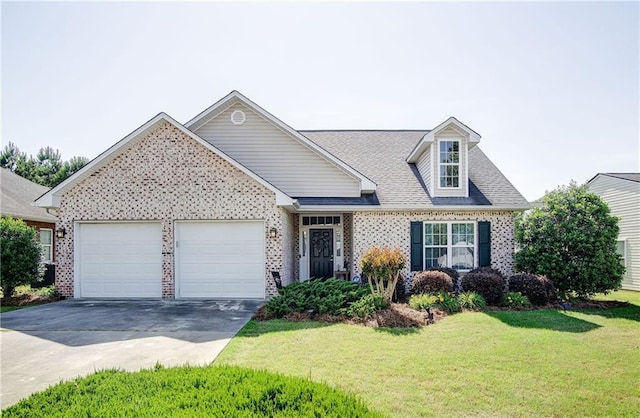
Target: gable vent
[{"x": 238, "y": 117}]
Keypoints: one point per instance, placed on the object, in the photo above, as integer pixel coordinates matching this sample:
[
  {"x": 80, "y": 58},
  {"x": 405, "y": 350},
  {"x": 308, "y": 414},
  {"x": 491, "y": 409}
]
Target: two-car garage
[{"x": 213, "y": 259}]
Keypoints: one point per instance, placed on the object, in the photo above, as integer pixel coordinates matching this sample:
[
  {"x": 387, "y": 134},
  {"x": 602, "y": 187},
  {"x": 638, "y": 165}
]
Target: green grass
[
  {"x": 189, "y": 392},
  {"x": 4, "y": 308},
  {"x": 527, "y": 363}
]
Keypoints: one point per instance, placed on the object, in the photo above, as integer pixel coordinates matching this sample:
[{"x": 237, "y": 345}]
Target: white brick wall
[
  {"x": 392, "y": 229},
  {"x": 167, "y": 176}
]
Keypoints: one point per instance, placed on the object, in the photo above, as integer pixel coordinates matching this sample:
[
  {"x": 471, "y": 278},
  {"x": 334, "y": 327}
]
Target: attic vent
[{"x": 238, "y": 117}]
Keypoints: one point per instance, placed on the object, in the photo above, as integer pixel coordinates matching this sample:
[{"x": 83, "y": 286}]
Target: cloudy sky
[{"x": 552, "y": 88}]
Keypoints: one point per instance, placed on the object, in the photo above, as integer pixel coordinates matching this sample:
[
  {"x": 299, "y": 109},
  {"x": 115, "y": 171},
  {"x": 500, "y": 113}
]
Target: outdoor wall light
[
  {"x": 61, "y": 232},
  {"x": 273, "y": 232}
]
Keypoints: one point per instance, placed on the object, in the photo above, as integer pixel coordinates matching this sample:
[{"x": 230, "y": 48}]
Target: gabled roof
[
  {"x": 366, "y": 185},
  {"x": 18, "y": 195},
  {"x": 52, "y": 197},
  {"x": 381, "y": 156},
  {"x": 623, "y": 176},
  {"x": 429, "y": 137}
]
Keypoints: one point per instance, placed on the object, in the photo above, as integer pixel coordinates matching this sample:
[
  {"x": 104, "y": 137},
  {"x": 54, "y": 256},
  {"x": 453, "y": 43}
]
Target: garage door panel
[
  {"x": 120, "y": 260},
  {"x": 221, "y": 259}
]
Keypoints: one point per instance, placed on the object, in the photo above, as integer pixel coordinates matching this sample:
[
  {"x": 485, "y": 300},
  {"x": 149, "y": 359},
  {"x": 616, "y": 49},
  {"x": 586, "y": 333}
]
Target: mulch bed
[
  {"x": 397, "y": 315},
  {"x": 28, "y": 300},
  {"x": 400, "y": 315}
]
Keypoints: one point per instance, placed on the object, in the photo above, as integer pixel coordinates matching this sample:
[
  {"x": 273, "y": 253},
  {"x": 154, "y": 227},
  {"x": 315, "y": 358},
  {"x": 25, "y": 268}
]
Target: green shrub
[
  {"x": 515, "y": 300},
  {"x": 366, "y": 306},
  {"x": 538, "y": 289},
  {"x": 21, "y": 255},
  {"x": 447, "y": 302},
  {"x": 422, "y": 301},
  {"x": 46, "y": 292},
  {"x": 222, "y": 391},
  {"x": 571, "y": 240},
  {"x": 321, "y": 296},
  {"x": 485, "y": 281},
  {"x": 431, "y": 281},
  {"x": 471, "y": 300}
]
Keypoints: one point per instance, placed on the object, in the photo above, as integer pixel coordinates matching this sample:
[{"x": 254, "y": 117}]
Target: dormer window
[{"x": 449, "y": 163}]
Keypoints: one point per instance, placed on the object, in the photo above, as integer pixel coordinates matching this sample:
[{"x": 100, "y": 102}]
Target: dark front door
[{"x": 321, "y": 257}]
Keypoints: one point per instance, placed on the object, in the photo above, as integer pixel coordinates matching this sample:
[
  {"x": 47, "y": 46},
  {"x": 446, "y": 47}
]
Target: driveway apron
[{"x": 42, "y": 345}]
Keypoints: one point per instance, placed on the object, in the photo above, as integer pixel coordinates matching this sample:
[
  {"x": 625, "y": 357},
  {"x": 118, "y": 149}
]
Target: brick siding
[{"x": 166, "y": 176}]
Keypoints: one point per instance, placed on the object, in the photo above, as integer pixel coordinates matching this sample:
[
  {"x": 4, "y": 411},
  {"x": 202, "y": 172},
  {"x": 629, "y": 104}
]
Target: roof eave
[{"x": 392, "y": 208}]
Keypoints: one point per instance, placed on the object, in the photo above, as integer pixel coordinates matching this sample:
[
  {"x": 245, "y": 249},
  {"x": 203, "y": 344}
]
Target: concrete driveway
[{"x": 45, "y": 344}]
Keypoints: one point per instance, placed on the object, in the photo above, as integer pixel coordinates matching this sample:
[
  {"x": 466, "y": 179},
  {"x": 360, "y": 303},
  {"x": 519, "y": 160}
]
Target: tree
[
  {"x": 382, "y": 267},
  {"x": 69, "y": 168},
  {"x": 10, "y": 156},
  {"x": 49, "y": 163},
  {"x": 21, "y": 255},
  {"x": 571, "y": 240},
  {"x": 47, "y": 169}
]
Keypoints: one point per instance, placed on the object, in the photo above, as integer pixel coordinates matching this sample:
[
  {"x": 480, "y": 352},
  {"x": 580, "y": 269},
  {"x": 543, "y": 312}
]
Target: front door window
[{"x": 321, "y": 253}]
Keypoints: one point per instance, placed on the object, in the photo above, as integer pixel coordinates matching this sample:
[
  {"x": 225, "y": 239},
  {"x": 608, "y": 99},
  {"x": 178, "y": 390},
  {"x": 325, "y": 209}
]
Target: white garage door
[
  {"x": 119, "y": 260},
  {"x": 220, "y": 259}
]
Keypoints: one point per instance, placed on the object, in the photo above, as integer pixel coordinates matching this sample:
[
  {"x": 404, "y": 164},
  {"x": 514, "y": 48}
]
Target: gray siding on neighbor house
[
  {"x": 277, "y": 157},
  {"x": 623, "y": 198}
]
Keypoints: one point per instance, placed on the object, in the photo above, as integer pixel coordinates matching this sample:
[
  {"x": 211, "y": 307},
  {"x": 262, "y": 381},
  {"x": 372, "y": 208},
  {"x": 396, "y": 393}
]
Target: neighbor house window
[
  {"x": 46, "y": 240},
  {"x": 622, "y": 250},
  {"x": 449, "y": 163},
  {"x": 449, "y": 244}
]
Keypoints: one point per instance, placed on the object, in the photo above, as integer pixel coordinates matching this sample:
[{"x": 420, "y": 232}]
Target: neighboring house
[
  {"x": 621, "y": 191},
  {"x": 16, "y": 201},
  {"x": 211, "y": 208}
]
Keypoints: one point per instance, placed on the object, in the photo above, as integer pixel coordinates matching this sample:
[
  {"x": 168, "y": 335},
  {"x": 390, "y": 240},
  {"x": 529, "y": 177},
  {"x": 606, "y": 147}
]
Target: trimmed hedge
[
  {"x": 431, "y": 281},
  {"x": 538, "y": 289},
  {"x": 487, "y": 282},
  {"x": 223, "y": 391},
  {"x": 329, "y": 296}
]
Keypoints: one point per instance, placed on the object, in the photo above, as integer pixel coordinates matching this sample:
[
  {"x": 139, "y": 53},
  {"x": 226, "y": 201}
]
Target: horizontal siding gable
[{"x": 277, "y": 157}]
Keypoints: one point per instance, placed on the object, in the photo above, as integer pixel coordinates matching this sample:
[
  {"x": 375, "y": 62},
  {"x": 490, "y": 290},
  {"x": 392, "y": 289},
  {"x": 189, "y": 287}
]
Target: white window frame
[
  {"x": 450, "y": 245},
  {"x": 441, "y": 164},
  {"x": 47, "y": 249}
]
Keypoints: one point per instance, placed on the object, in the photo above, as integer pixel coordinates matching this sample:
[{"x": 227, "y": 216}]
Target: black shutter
[
  {"x": 484, "y": 244},
  {"x": 417, "y": 241}
]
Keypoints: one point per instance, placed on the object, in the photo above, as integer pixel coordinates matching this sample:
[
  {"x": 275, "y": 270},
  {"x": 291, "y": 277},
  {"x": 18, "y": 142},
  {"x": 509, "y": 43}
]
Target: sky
[{"x": 551, "y": 87}]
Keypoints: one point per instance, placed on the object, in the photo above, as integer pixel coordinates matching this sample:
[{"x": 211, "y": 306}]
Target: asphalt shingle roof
[
  {"x": 17, "y": 195},
  {"x": 381, "y": 156},
  {"x": 625, "y": 176}
]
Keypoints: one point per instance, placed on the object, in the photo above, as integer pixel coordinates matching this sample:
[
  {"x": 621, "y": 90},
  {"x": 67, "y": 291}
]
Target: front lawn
[{"x": 501, "y": 363}]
